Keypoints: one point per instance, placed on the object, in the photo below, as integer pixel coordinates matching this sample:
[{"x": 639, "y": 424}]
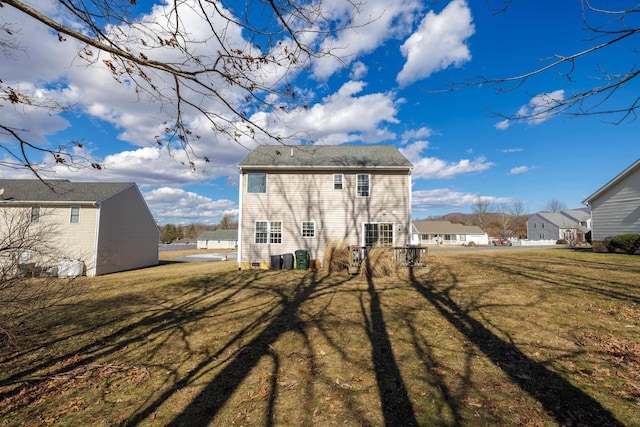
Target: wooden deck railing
[{"x": 406, "y": 256}]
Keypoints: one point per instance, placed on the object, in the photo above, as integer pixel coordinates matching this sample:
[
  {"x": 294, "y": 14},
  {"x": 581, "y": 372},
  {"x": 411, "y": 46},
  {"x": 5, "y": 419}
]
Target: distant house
[
  {"x": 299, "y": 198},
  {"x": 615, "y": 207},
  {"x": 570, "y": 225},
  {"x": 218, "y": 239},
  {"x": 105, "y": 225},
  {"x": 447, "y": 233}
]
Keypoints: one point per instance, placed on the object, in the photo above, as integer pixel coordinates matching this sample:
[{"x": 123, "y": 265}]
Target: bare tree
[
  {"x": 519, "y": 219},
  {"x": 505, "y": 220},
  {"x": 482, "y": 211},
  {"x": 555, "y": 205},
  {"x": 241, "y": 64},
  {"x": 611, "y": 26},
  {"x": 228, "y": 223},
  {"x": 26, "y": 286}
]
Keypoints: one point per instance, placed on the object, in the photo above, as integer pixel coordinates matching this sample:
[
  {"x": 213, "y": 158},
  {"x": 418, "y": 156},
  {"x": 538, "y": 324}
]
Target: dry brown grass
[
  {"x": 380, "y": 264},
  {"x": 336, "y": 256},
  {"x": 509, "y": 337}
]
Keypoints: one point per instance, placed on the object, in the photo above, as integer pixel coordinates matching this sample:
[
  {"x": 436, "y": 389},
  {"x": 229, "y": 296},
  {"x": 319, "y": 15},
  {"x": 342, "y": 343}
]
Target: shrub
[
  {"x": 601, "y": 246},
  {"x": 336, "y": 256},
  {"x": 625, "y": 243},
  {"x": 561, "y": 242},
  {"x": 379, "y": 264}
]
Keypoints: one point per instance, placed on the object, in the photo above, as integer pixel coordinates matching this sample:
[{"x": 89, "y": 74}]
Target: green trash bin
[{"x": 302, "y": 260}]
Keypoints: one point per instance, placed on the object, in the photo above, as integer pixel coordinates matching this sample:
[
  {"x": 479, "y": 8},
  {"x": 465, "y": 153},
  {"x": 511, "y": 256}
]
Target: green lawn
[{"x": 506, "y": 337}]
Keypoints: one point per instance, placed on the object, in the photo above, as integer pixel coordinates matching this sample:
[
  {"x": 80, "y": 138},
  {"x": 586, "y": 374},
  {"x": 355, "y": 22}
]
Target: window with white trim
[
  {"x": 35, "y": 214},
  {"x": 256, "y": 183},
  {"x": 74, "y": 215},
  {"x": 337, "y": 181},
  {"x": 362, "y": 185},
  {"x": 261, "y": 232},
  {"x": 308, "y": 229},
  {"x": 378, "y": 234},
  {"x": 268, "y": 232},
  {"x": 275, "y": 232}
]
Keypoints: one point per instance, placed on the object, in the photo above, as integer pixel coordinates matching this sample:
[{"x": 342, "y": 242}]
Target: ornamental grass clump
[
  {"x": 336, "y": 256},
  {"x": 379, "y": 264}
]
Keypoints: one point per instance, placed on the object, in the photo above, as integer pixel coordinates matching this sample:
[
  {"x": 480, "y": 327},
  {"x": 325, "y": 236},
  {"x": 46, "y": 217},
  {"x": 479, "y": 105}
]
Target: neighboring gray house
[
  {"x": 218, "y": 239},
  {"x": 105, "y": 225},
  {"x": 571, "y": 225},
  {"x": 302, "y": 197},
  {"x": 447, "y": 233},
  {"x": 615, "y": 207}
]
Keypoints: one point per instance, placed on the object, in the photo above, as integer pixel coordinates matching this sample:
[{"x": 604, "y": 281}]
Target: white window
[
  {"x": 362, "y": 185},
  {"x": 262, "y": 231},
  {"x": 35, "y": 213},
  {"x": 275, "y": 232},
  {"x": 337, "y": 181},
  {"x": 308, "y": 229},
  {"x": 378, "y": 234},
  {"x": 74, "y": 217},
  {"x": 257, "y": 183},
  {"x": 268, "y": 232}
]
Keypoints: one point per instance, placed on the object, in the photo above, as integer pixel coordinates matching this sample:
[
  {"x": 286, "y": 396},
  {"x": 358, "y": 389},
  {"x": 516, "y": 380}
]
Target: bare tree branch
[
  {"x": 594, "y": 101},
  {"x": 191, "y": 73}
]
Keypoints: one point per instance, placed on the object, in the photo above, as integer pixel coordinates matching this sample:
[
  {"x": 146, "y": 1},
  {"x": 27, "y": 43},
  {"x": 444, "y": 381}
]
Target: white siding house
[
  {"x": 218, "y": 239},
  {"x": 301, "y": 197},
  {"x": 571, "y": 225},
  {"x": 447, "y": 233},
  {"x": 615, "y": 207},
  {"x": 107, "y": 226}
]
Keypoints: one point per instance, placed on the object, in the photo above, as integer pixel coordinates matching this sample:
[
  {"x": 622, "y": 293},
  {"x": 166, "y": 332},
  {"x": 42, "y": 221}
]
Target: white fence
[{"x": 535, "y": 242}]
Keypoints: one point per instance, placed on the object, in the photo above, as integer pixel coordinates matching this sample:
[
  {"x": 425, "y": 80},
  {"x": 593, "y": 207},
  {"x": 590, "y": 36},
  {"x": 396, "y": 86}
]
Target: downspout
[
  {"x": 410, "y": 218},
  {"x": 239, "y": 255},
  {"x": 98, "y": 206}
]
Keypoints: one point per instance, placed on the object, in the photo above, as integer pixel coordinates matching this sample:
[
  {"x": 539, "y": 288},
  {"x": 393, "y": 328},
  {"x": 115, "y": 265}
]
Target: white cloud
[
  {"x": 519, "y": 170},
  {"x": 438, "y": 43},
  {"x": 504, "y": 124},
  {"x": 344, "y": 116},
  {"x": 512, "y": 150},
  {"x": 539, "y": 107},
  {"x": 358, "y": 70},
  {"x": 434, "y": 168},
  {"x": 177, "y": 206},
  {"x": 374, "y": 22},
  {"x": 423, "y": 132},
  {"x": 441, "y": 198},
  {"x": 444, "y": 198}
]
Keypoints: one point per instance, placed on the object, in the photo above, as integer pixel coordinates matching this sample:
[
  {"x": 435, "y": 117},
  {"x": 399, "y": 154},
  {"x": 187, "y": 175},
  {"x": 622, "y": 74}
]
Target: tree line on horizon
[{"x": 171, "y": 233}]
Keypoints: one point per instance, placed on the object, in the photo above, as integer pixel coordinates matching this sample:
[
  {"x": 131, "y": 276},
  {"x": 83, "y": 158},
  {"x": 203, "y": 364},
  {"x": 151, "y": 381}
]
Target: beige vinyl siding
[
  {"x": 297, "y": 196},
  {"x": 128, "y": 236},
  {"x": 64, "y": 240},
  {"x": 617, "y": 211}
]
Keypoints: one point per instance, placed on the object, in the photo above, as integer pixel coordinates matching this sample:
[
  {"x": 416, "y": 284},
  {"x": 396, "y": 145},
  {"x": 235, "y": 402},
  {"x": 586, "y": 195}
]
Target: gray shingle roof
[
  {"x": 219, "y": 235},
  {"x": 566, "y": 219},
  {"x": 326, "y": 156},
  {"x": 425, "y": 226},
  {"x": 34, "y": 190}
]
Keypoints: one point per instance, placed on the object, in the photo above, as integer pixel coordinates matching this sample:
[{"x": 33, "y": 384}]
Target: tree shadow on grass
[
  {"x": 210, "y": 400},
  {"x": 560, "y": 399},
  {"x": 394, "y": 398}
]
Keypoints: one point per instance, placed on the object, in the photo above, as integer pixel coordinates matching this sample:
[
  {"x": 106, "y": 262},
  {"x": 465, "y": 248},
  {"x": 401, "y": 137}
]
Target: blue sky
[{"x": 386, "y": 90}]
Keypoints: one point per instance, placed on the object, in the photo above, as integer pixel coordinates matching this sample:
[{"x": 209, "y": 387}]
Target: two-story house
[
  {"x": 571, "y": 225},
  {"x": 106, "y": 226},
  {"x": 296, "y": 198},
  {"x": 615, "y": 207}
]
